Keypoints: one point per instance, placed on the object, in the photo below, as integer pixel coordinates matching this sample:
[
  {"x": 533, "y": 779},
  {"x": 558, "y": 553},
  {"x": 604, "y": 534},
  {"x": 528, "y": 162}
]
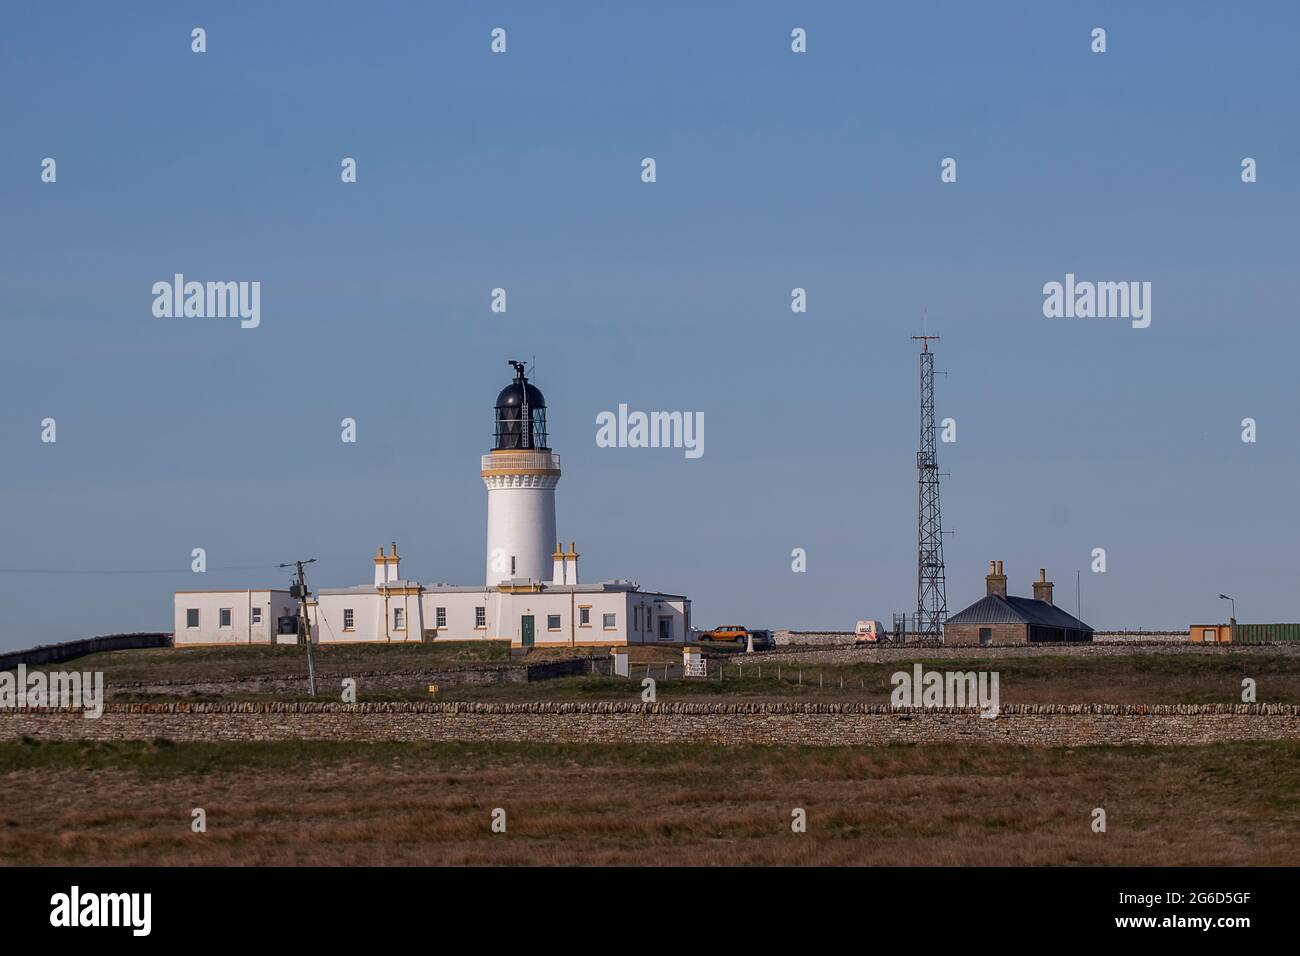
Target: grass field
[
  {"x": 1135, "y": 678},
  {"x": 408, "y": 803},
  {"x": 216, "y": 663},
  {"x": 402, "y": 803},
  {"x": 1150, "y": 679}
]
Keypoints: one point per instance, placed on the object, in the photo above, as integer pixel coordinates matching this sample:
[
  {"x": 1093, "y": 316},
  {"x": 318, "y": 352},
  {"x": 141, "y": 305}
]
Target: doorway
[{"x": 526, "y": 630}]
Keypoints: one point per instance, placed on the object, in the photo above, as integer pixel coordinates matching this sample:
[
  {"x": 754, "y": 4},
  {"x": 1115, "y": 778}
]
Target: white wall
[
  {"x": 647, "y": 609},
  {"x": 521, "y": 525},
  {"x": 460, "y": 607},
  {"x": 272, "y": 603},
  {"x": 504, "y": 613},
  {"x": 372, "y": 616},
  {"x": 510, "y": 610}
]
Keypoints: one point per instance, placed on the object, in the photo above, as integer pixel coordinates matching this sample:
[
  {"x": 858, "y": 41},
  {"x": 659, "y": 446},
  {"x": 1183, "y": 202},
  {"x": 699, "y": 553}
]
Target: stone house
[{"x": 1001, "y": 619}]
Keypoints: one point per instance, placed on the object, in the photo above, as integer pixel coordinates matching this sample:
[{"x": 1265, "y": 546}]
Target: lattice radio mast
[{"x": 931, "y": 591}]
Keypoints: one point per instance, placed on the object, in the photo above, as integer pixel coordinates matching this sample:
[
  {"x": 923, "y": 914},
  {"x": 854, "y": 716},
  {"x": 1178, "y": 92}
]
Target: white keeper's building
[{"x": 531, "y": 595}]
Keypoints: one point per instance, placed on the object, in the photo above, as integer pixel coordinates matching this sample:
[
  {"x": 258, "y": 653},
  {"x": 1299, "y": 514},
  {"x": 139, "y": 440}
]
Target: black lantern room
[{"x": 521, "y": 415}]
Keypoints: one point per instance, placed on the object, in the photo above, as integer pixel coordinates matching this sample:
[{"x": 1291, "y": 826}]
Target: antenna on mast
[{"x": 931, "y": 588}]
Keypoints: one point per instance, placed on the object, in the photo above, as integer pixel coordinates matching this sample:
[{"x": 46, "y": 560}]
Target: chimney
[
  {"x": 996, "y": 581},
  {"x": 393, "y": 565},
  {"x": 571, "y": 564},
  {"x": 557, "y": 574},
  {"x": 381, "y": 566},
  {"x": 1043, "y": 587}
]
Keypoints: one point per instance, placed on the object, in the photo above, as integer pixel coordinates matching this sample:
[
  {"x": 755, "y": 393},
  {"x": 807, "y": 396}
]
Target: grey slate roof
[{"x": 994, "y": 609}]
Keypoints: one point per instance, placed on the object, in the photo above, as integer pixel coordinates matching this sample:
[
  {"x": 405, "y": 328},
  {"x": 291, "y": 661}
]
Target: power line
[
  {"x": 233, "y": 567},
  {"x": 300, "y": 591}
]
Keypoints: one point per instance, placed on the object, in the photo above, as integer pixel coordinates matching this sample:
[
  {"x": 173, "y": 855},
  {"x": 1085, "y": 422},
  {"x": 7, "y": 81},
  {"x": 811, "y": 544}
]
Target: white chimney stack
[
  {"x": 557, "y": 572},
  {"x": 571, "y": 564},
  {"x": 393, "y": 564},
  {"x": 381, "y": 567}
]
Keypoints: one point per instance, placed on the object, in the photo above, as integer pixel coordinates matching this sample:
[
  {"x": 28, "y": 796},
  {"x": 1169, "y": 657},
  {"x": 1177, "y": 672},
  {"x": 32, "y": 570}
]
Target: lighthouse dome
[
  {"x": 521, "y": 415},
  {"x": 512, "y": 396}
]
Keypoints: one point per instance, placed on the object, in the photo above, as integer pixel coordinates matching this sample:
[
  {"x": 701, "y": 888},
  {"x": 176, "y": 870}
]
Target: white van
[{"x": 869, "y": 632}]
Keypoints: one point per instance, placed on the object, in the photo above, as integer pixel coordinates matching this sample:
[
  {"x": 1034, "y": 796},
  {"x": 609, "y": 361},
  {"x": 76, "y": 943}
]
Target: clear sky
[{"x": 775, "y": 170}]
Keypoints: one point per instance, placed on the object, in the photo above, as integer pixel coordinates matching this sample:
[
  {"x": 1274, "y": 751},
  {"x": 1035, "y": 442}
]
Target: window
[
  {"x": 552, "y": 622},
  {"x": 440, "y": 617},
  {"x": 611, "y": 622},
  {"x": 223, "y": 617},
  {"x": 584, "y": 615},
  {"x": 257, "y": 616},
  {"x": 512, "y": 565},
  {"x": 191, "y": 617},
  {"x": 399, "y": 619},
  {"x": 349, "y": 618},
  {"x": 480, "y": 617}
]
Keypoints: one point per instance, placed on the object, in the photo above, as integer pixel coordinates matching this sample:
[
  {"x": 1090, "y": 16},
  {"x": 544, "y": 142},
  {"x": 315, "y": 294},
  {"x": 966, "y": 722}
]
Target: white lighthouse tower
[{"x": 521, "y": 474}]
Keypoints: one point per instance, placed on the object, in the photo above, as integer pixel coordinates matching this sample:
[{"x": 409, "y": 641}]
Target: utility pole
[
  {"x": 931, "y": 591},
  {"x": 299, "y": 590},
  {"x": 1232, "y": 621}
]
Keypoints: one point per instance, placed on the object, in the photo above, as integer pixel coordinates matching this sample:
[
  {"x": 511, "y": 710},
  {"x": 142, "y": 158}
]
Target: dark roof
[
  {"x": 512, "y": 396},
  {"x": 995, "y": 609}
]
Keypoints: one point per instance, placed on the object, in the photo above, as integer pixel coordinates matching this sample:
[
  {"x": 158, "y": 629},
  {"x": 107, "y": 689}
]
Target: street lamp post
[{"x": 1232, "y": 621}]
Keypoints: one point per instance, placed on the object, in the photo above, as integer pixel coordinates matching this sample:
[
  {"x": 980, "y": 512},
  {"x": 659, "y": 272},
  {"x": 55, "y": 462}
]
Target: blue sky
[{"x": 775, "y": 170}]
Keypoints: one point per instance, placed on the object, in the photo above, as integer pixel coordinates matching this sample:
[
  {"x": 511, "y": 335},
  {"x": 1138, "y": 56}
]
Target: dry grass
[
  {"x": 1135, "y": 678},
  {"x": 1128, "y": 679},
  {"x": 393, "y": 803},
  {"x": 216, "y": 663}
]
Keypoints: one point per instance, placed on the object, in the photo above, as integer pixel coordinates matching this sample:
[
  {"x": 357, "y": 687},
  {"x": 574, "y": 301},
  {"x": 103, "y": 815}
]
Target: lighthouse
[
  {"x": 533, "y": 596},
  {"x": 520, "y": 473}
]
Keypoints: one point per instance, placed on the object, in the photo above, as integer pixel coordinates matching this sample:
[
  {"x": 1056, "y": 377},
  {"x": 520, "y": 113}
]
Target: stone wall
[
  {"x": 53, "y": 653},
  {"x": 831, "y": 638},
  {"x": 1148, "y": 637},
  {"x": 366, "y": 680},
  {"x": 1048, "y": 725},
  {"x": 968, "y": 635},
  {"x": 812, "y": 638},
  {"x": 890, "y": 653}
]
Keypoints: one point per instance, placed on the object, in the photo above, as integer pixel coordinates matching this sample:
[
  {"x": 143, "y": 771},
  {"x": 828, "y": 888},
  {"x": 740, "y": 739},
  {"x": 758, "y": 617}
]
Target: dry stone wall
[
  {"x": 832, "y": 638},
  {"x": 873, "y": 655},
  {"x": 53, "y": 653},
  {"x": 804, "y": 724}
]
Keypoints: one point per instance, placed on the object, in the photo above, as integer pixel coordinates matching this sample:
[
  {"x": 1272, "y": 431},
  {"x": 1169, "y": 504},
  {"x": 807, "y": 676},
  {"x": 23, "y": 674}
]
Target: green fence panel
[{"x": 1267, "y": 633}]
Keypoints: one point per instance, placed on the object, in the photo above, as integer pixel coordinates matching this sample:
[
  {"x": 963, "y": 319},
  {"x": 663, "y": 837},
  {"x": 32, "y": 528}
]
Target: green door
[{"x": 527, "y": 622}]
